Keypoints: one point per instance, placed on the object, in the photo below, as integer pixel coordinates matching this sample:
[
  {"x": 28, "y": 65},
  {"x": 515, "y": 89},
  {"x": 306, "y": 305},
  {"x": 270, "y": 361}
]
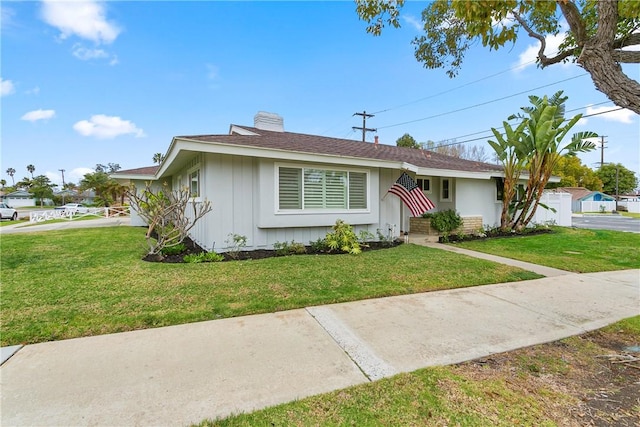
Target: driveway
[{"x": 607, "y": 222}]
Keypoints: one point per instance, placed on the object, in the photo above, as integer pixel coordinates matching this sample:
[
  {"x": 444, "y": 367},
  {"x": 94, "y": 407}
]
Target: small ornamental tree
[
  {"x": 165, "y": 212},
  {"x": 534, "y": 147}
]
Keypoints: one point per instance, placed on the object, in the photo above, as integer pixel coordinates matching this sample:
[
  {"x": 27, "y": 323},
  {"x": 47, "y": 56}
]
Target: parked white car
[
  {"x": 7, "y": 212},
  {"x": 73, "y": 208}
]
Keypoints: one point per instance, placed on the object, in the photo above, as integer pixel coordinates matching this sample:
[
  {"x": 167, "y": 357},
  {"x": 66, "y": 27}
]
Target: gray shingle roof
[
  {"x": 314, "y": 144},
  {"x": 147, "y": 170}
]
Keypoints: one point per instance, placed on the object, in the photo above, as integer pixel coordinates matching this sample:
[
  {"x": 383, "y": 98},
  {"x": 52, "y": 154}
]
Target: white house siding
[
  {"x": 390, "y": 205},
  {"x": 242, "y": 193},
  {"x": 136, "y": 220},
  {"x": 471, "y": 196}
]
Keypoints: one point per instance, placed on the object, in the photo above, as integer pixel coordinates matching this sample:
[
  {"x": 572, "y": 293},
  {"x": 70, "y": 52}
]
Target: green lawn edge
[
  {"x": 571, "y": 249},
  {"x": 80, "y": 282}
]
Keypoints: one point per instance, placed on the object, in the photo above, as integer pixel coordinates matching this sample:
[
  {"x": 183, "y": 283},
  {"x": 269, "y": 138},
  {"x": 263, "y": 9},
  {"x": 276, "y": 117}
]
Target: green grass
[
  {"x": 576, "y": 250},
  {"x": 433, "y": 397},
  {"x": 81, "y": 282},
  {"x": 6, "y": 222},
  {"x": 630, "y": 214}
]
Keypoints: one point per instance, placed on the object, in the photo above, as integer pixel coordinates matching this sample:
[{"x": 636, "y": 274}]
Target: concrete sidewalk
[
  {"x": 183, "y": 374},
  {"x": 26, "y": 227}
]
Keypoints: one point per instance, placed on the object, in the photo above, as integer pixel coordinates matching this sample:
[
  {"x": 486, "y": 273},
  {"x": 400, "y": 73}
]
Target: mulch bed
[
  {"x": 193, "y": 248},
  {"x": 495, "y": 234}
]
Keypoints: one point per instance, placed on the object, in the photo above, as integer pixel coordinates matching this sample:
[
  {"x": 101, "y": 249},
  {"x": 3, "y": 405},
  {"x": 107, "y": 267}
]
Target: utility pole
[
  {"x": 364, "y": 124},
  {"x": 62, "y": 170},
  {"x": 602, "y": 142}
]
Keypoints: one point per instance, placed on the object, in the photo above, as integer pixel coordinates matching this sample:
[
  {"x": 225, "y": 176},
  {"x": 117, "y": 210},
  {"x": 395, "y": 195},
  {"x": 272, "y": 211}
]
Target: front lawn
[
  {"x": 80, "y": 282},
  {"x": 570, "y": 249}
]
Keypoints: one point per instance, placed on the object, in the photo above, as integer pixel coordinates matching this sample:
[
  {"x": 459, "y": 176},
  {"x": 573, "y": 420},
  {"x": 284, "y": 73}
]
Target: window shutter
[
  {"x": 357, "y": 190},
  {"x": 290, "y": 188},
  {"x": 335, "y": 189},
  {"x": 313, "y": 189}
]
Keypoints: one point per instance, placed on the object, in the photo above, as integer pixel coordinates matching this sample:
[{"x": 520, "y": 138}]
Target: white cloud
[
  {"x": 529, "y": 56},
  {"x": 6, "y": 87},
  {"x": 85, "y": 54},
  {"x": 33, "y": 116},
  {"x": 34, "y": 91},
  {"x": 615, "y": 115},
  {"x": 106, "y": 127},
  {"x": 75, "y": 175},
  {"x": 6, "y": 17},
  {"x": 84, "y": 19},
  {"x": 414, "y": 22}
]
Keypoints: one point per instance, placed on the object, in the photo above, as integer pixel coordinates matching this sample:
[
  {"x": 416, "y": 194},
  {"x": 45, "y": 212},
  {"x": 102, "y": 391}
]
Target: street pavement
[{"x": 606, "y": 222}]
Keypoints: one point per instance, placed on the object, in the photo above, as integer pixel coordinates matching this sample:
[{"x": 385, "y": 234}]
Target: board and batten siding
[{"x": 242, "y": 191}]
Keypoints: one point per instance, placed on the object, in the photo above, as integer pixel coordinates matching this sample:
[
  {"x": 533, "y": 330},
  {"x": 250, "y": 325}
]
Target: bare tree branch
[
  {"x": 164, "y": 211},
  {"x": 544, "y": 60}
]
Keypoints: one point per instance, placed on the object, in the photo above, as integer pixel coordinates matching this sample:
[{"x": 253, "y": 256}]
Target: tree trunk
[
  {"x": 608, "y": 77},
  {"x": 597, "y": 55}
]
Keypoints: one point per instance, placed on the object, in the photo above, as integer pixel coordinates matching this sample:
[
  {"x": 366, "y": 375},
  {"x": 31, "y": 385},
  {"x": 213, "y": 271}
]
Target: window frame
[
  {"x": 421, "y": 181},
  {"x": 449, "y": 189},
  {"x": 324, "y": 169}
]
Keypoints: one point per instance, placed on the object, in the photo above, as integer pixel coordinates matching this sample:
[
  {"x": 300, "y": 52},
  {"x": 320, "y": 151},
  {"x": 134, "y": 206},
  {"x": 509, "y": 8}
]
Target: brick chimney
[
  {"x": 268, "y": 121},
  {"x": 375, "y": 140}
]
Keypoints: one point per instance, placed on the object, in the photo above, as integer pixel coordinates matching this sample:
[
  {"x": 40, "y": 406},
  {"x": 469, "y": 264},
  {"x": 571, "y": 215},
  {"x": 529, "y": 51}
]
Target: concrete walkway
[
  {"x": 540, "y": 269},
  {"x": 183, "y": 374},
  {"x": 26, "y": 227}
]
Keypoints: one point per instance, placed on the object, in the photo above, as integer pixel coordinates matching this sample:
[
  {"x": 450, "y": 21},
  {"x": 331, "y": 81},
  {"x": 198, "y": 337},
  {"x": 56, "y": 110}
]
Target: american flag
[{"x": 412, "y": 196}]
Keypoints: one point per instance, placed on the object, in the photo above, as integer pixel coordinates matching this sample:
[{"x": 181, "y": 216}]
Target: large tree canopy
[
  {"x": 598, "y": 32},
  {"x": 407, "y": 140},
  {"x": 573, "y": 173},
  {"x": 617, "y": 179}
]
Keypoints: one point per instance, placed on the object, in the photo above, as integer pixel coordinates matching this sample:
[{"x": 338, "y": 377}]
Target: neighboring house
[
  {"x": 584, "y": 200},
  {"x": 19, "y": 199},
  {"x": 275, "y": 186}
]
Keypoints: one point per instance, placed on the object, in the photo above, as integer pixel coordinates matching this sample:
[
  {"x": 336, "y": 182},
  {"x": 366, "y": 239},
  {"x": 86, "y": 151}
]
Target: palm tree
[
  {"x": 158, "y": 158},
  {"x": 11, "y": 172},
  {"x": 538, "y": 142},
  {"x": 31, "y": 170}
]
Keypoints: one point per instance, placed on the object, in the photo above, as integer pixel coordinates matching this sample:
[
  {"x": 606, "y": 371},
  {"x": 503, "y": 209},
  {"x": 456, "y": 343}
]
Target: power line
[
  {"x": 442, "y": 93},
  {"x": 568, "y": 111},
  {"x": 456, "y": 88},
  {"x": 481, "y": 104},
  {"x": 491, "y": 135}
]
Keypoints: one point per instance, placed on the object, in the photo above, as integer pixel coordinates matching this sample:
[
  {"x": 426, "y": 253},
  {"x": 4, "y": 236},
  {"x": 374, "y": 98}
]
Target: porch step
[{"x": 422, "y": 239}]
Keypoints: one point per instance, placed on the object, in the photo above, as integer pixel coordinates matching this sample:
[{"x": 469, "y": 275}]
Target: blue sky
[{"x": 99, "y": 82}]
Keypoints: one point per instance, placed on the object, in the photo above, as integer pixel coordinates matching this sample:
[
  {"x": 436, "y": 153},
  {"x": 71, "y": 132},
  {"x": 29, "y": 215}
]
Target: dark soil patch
[
  {"x": 494, "y": 234},
  {"x": 193, "y": 248},
  {"x": 595, "y": 371}
]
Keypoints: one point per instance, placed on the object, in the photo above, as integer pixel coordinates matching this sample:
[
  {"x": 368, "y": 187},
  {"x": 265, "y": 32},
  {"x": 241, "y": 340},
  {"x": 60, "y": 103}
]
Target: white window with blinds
[{"x": 321, "y": 189}]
